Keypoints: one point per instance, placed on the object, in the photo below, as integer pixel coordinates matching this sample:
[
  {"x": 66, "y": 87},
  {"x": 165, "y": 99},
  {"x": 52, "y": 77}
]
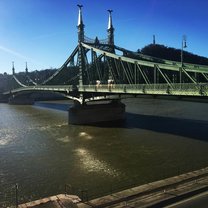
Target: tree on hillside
[{"x": 164, "y": 52}]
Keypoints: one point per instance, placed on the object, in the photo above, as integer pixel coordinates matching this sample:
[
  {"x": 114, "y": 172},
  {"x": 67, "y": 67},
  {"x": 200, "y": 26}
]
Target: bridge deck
[{"x": 185, "y": 89}]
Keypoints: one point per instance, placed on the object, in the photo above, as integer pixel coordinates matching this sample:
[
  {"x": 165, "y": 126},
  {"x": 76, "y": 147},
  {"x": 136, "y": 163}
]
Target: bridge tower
[
  {"x": 13, "y": 69},
  {"x": 26, "y": 69},
  {"x": 110, "y": 29},
  {"x": 80, "y": 27}
]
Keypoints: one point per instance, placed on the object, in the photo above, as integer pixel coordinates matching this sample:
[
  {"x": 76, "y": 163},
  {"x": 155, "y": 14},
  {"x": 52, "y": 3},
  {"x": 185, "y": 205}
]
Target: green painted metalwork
[
  {"x": 185, "y": 89},
  {"x": 167, "y": 66},
  {"x": 116, "y": 74}
]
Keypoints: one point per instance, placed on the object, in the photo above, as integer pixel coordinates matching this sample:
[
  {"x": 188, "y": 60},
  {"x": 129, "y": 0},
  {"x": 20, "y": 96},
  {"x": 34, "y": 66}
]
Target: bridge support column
[
  {"x": 98, "y": 112},
  {"x": 80, "y": 59}
]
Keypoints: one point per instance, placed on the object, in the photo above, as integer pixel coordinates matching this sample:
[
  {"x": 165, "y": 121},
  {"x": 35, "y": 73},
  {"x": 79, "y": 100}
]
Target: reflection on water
[
  {"x": 6, "y": 137},
  {"x": 65, "y": 139},
  {"x": 41, "y": 152},
  {"x": 91, "y": 164},
  {"x": 85, "y": 135}
]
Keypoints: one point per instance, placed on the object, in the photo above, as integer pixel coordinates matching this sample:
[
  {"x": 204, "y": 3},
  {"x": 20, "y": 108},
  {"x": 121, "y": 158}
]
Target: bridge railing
[
  {"x": 189, "y": 89},
  {"x": 177, "y": 89}
]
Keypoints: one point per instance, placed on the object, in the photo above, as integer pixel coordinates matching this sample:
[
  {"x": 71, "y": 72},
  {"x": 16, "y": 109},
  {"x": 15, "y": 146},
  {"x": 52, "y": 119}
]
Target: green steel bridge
[{"x": 98, "y": 70}]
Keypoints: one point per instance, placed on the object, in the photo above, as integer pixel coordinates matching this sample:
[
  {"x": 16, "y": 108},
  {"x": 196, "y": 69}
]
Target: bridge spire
[
  {"x": 110, "y": 29},
  {"x": 26, "y": 69},
  {"x": 80, "y": 25},
  {"x": 13, "y": 69}
]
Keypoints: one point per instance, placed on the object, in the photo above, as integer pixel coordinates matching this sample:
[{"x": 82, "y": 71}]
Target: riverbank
[{"x": 156, "y": 194}]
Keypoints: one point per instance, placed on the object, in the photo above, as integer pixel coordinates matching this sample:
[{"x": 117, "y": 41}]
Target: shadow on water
[
  {"x": 195, "y": 129},
  {"x": 56, "y": 106},
  {"x": 189, "y": 128}
]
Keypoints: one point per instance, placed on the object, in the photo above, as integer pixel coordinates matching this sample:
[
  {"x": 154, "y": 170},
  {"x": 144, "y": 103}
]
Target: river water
[{"x": 41, "y": 153}]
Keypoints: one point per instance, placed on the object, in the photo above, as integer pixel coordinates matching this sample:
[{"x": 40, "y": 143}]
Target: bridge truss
[{"x": 98, "y": 69}]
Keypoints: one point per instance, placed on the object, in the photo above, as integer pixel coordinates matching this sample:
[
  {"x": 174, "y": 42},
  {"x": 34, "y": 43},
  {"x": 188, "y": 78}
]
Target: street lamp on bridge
[{"x": 182, "y": 47}]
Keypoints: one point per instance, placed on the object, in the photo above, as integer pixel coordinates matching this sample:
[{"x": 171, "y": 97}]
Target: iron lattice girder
[
  {"x": 173, "y": 67},
  {"x": 95, "y": 60},
  {"x": 205, "y": 76},
  {"x": 166, "y": 78},
  {"x": 192, "y": 67},
  {"x": 145, "y": 77},
  {"x": 103, "y": 50},
  {"x": 191, "y": 78}
]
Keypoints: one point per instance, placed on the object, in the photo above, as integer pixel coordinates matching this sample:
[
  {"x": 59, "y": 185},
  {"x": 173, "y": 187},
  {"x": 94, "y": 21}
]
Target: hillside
[{"x": 164, "y": 52}]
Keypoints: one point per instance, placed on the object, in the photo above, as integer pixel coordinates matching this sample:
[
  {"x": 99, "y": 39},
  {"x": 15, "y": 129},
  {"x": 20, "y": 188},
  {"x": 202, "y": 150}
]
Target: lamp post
[
  {"x": 16, "y": 196},
  {"x": 183, "y": 45}
]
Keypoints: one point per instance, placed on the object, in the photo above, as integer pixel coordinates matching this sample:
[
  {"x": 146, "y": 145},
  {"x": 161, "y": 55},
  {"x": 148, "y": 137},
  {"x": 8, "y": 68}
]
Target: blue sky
[{"x": 43, "y": 32}]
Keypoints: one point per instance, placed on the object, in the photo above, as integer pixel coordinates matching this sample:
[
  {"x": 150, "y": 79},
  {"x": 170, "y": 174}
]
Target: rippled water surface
[{"x": 42, "y": 153}]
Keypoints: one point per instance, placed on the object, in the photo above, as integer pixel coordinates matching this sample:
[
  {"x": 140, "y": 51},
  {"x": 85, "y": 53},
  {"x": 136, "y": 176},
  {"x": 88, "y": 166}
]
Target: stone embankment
[{"x": 152, "y": 195}]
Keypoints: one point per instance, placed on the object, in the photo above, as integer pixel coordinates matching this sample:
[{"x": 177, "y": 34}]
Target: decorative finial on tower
[
  {"x": 80, "y": 25},
  {"x": 80, "y": 22},
  {"x": 26, "y": 69},
  {"x": 110, "y": 23},
  {"x": 110, "y": 29},
  {"x": 13, "y": 69}
]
